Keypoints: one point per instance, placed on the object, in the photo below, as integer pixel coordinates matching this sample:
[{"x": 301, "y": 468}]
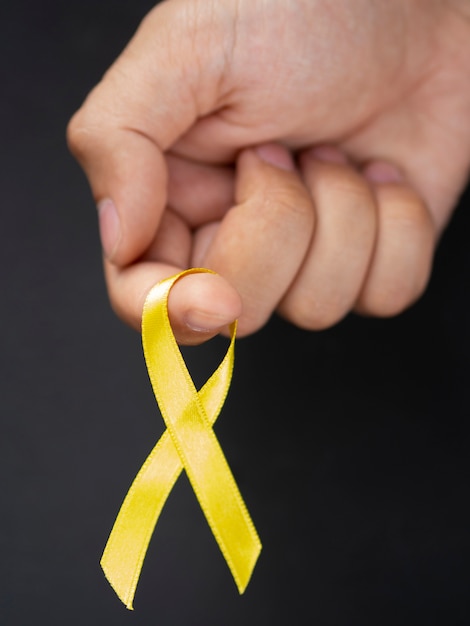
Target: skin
[{"x": 311, "y": 152}]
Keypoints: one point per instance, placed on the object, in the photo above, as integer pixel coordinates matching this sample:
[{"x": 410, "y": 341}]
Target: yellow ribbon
[{"x": 190, "y": 443}]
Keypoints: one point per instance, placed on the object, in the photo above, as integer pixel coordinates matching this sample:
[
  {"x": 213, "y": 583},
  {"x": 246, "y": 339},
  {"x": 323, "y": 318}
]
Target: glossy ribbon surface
[{"x": 190, "y": 443}]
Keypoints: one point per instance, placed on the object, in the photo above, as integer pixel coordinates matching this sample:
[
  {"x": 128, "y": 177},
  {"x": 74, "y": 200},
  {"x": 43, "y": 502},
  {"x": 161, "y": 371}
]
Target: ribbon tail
[
  {"x": 127, "y": 545},
  {"x": 218, "y": 495}
]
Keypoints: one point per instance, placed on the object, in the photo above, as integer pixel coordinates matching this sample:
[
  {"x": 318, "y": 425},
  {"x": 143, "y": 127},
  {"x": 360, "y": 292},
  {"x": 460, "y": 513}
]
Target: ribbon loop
[{"x": 190, "y": 443}]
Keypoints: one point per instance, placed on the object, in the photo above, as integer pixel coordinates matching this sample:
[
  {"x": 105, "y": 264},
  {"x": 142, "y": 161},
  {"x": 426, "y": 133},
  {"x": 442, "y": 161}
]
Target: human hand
[{"x": 387, "y": 83}]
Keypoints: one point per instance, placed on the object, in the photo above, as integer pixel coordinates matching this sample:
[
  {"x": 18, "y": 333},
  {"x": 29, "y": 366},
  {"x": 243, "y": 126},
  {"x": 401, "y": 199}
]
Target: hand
[{"x": 353, "y": 228}]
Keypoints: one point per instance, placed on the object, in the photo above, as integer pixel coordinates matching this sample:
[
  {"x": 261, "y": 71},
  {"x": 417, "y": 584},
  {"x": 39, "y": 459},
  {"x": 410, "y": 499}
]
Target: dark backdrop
[{"x": 350, "y": 446}]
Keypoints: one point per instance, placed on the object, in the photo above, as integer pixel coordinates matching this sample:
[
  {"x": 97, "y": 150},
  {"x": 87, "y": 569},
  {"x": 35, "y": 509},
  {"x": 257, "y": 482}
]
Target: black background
[{"x": 350, "y": 446}]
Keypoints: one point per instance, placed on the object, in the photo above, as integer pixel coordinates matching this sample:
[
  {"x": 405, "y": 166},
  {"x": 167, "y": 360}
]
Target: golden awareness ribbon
[{"x": 190, "y": 443}]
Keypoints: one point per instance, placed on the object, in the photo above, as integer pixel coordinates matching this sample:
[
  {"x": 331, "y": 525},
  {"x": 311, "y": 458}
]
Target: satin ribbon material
[{"x": 190, "y": 443}]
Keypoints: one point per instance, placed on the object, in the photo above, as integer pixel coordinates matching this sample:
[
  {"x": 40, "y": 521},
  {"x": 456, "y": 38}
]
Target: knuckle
[
  {"x": 335, "y": 184},
  {"x": 404, "y": 211},
  {"x": 348, "y": 184},
  {"x": 79, "y": 134},
  {"x": 74, "y": 133},
  {"x": 385, "y": 303},
  {"x": 284, "y": 207},
  {"x": 114, "y": 300},
  {"x": 402, "y": 266},
  {"x": 89, "y": 125},
  {"x": 394, "y": 296},
  {"x": 126, "y": 303},
  {"x": 249, "y": 325},
  {"x": 291, "y": 201},
  {"x": 310, "y": 314},
  {"x": 287, "y": 192},
  {"x": 122, "y": 311}
]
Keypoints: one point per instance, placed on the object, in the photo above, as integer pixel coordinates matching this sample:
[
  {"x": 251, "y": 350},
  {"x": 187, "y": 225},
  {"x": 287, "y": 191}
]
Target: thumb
[{"x": 146, "y": 101}]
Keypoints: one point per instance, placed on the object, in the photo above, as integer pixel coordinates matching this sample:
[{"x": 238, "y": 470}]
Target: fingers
[
  {"x": 405, "y": 242},
  {"x": 340, "y": 239},
  {"x": 335, "y": 267},
  {"x": 261, "y": 242},
  {"x": 372, "y": 246}
]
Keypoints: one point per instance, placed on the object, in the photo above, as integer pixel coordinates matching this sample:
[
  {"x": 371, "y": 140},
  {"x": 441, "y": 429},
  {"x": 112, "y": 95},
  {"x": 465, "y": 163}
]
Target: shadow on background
[{"x": 350, "y": 446}]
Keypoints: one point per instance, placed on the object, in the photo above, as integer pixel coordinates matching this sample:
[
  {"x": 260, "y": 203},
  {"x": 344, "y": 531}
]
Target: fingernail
[
  {"x": 329, "y": 154},
  {"x": 110, "y": 229},
  {"x": 276, "y": 155},
  {"x": 381, "y": 172},
  {"x": 202, "y": 321}
]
